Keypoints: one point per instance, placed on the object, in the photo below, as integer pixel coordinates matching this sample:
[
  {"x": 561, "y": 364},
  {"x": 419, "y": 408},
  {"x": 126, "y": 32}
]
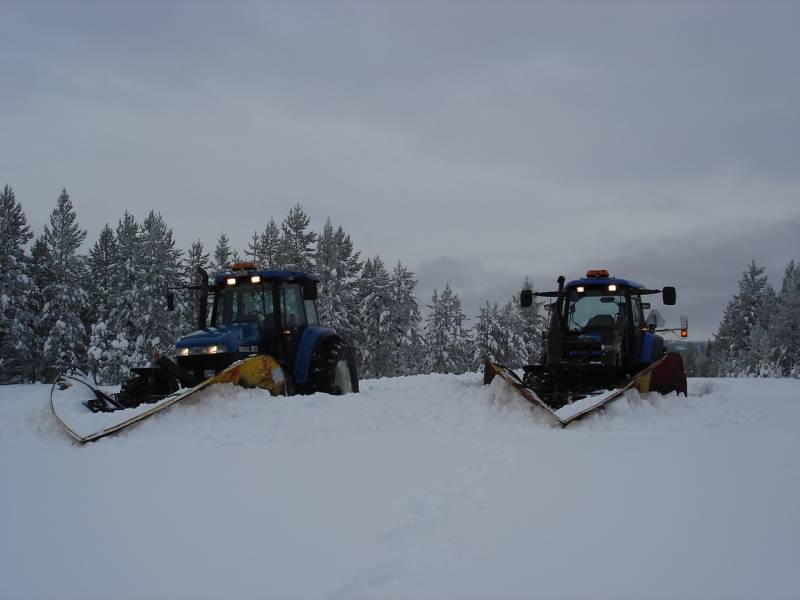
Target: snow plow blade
[
  {"x": 70, "y": 396},
  {"x": 664, "y": 376}
]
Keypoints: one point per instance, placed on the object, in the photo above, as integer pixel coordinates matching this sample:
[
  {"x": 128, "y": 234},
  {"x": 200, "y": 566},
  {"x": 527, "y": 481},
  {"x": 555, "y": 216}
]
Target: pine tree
[
  {"x": 65, "y": 298},
  {"x": 500, "y": 334},
  {"x": 222, "y": 255},
  {"x": 270, "y": 246},
  {"x": 42, "y": 275},
  {"x": 487, "y": 334},
  {"x": 338, "y": 267},
  {"x": 103, "y": 262},
  {"x": 17, "y": 294},
  {"x": 113, "y": 347},
  {"x": 196, "y": 259},
  {"x": 513, "y": 350},
  {"x": 405, "y": 339},
  {"x": 254, "y": 251},
  {"x": 448, "y": 347},
  {"x": 375, "y": 307},
  {"x": 296, "y": 241},
  {"x": 732, "y": 344},
  {"x": 160, "y": 271},
  {"x": 784, "y": 335},
  {"x": 533, "y": 326}
]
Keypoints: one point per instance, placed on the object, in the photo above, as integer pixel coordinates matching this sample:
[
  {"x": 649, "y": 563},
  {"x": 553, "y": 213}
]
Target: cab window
[
  {"x": 311, "y": 312},
  {"x": 636, "y": 308},
  {"x": 245, "y": 303},
  {"x": 292, "y": 308}
]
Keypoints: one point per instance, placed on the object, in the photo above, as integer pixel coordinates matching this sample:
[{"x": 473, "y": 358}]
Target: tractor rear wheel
[{"x": 333, "y": 369}]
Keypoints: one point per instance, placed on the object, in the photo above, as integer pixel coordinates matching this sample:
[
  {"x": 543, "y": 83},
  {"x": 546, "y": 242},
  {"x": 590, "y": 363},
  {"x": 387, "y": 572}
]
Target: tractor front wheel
[{"x": 333, "y": 369}]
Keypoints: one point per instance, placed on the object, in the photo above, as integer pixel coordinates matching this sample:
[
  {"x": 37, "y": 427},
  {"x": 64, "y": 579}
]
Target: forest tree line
[
  {"x": 758, "y": 335},
  {"x": 105, "y": 312}
]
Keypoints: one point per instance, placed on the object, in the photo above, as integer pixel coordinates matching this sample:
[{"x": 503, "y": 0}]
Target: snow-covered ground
[{"x": 419, "y": 487}]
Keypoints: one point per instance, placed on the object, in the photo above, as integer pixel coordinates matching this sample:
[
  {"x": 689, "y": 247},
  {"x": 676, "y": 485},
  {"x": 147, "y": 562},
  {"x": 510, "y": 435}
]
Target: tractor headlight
[
  {"x": 255, "y": 279},
  {"x": 213, "y": 349},
  {"x": 580, "y": 289},
  {"x": 231, "y": 281},
  {"x": 612, "y": 287},
  {"x": 183, "y": 352}
]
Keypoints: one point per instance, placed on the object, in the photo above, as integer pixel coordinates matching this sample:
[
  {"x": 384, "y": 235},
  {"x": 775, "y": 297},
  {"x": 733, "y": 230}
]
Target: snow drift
[{"x": 424, "y": 487}]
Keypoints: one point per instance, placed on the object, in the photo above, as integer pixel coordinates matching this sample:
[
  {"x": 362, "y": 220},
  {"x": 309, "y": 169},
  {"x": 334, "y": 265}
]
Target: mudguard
[{"x": 309, "y": 341}]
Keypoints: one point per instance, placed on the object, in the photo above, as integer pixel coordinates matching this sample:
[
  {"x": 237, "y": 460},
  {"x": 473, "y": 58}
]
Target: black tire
[{"x": 328, "y": 368}]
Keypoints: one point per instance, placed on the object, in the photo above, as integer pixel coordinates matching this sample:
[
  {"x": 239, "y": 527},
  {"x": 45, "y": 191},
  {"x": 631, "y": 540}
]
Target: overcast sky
[{"x": 476, "y": 141}]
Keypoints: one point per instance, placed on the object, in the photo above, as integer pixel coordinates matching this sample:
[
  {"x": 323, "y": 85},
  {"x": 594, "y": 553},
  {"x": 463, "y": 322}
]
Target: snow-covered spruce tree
[
  {"x": 270, "y": 247},
  {"x": 513, "y": 350},
  {"x": 375, "y": 307},
  {"x": 296, "y": 243},
  {"x": 161, "y": 269},
  {"x": 65, "y": 341},
  {"x": 448, "y": 346},
  {"x": 487, "y": 333},
  {"x": 732, "y": 343},
  {"x": 41, "y": 272},
  {"x": 405, "y": 339},
  {"x": 691, "y": 360},
  {"x": 783, "y": 342},
  {"x": 113, "y": 345},
  {"x": 17, "y": 294},
  {"x": 338, "y": 267},
  {"x": 196, "y": 259},
  {"x": 533, "y": 326},
  {"x": 222, "y": 255},
  {"x": 103, "y": 263},
  {"x": 254, "y": 248},
  {"x": 760, "y": 360}
]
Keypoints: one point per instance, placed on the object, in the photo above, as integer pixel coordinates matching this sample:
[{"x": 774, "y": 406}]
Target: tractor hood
[{"x": 236, "y": 337}]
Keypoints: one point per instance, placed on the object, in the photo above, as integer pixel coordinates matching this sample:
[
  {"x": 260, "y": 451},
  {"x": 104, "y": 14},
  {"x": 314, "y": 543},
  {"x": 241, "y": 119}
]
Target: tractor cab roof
[
  {"x": 588, "y": 281},
  {"x": 249, "y": 269}
]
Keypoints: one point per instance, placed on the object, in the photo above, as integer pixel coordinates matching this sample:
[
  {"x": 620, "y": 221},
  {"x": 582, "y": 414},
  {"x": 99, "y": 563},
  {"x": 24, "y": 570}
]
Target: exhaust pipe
[
  {"x": 202, "y": 310},
  {"x": 554, "y": 333}
]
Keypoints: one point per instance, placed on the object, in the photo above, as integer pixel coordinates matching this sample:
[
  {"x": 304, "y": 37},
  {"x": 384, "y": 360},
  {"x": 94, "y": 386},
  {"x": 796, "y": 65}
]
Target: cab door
[{"x": 293, "y": 318}]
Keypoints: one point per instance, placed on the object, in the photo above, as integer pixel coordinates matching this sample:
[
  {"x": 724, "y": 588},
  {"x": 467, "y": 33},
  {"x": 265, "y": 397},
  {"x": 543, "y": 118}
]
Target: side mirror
[
  {"x": 526, "y": 298},
  {"x": 309, "y": 290},
  {"x": 170, "y": 301},
  {"x": 669, "y": 295}
]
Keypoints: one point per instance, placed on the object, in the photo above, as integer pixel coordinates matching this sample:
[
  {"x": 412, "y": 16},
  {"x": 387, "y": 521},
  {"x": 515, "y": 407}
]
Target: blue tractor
[
  {"x": 597, "y": 345},
  {"x": 255, "y": 312}
]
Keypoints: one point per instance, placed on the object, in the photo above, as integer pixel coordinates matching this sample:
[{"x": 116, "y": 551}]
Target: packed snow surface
[{"x": 419, "y": 487}]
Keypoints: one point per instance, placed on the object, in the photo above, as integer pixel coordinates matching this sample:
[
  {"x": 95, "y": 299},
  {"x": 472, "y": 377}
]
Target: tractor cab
[
  {"x": 597, "y": 323},
  {"x": 602, "y": 319},
  {"x": 254, "y": 311}
]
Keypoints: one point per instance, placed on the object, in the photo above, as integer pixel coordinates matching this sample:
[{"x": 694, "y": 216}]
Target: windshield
[
  {"x": 594, "y": 309},
  {"x": 246, "y": 304}
]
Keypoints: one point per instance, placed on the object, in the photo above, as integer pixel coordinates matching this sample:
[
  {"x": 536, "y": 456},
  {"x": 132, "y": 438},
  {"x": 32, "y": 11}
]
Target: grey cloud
[{"x": 539, "y": 137}]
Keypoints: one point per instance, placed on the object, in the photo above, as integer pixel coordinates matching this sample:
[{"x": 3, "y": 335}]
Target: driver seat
[{"x": 599, "y": 322}]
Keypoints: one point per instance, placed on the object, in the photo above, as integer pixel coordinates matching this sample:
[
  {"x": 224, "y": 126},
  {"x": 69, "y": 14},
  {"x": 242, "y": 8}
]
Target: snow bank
[{"x": 425, "y": 487}]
